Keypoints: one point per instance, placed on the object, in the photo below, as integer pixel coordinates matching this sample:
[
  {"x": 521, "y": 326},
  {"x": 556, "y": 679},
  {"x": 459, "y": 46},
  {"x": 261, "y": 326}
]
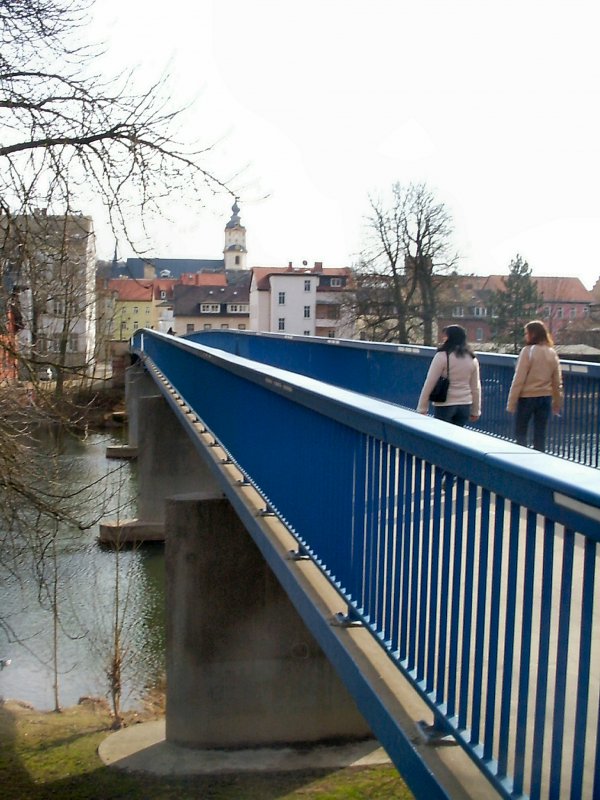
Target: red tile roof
[
  {"x": 554, "y": 290},
  {"x": 204, "y": 279},
  {"x": 128, "y": 289}
]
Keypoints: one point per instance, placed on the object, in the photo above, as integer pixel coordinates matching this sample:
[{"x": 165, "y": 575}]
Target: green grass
[{"x": 46, "y": 756}]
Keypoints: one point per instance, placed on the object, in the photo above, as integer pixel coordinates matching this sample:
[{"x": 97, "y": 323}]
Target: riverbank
[{"x": 47, "y": 756}]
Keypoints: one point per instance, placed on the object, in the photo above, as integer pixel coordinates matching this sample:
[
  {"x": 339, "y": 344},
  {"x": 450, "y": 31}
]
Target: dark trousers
[
  {"x": 457, "y": 415},
  {"x": 538, "y": 409}
]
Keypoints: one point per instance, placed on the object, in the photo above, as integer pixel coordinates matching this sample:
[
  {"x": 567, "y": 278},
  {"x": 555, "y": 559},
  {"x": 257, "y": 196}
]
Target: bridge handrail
[
  {"x": 410, "y": 528},
  {"x": 396, "y": 372}
]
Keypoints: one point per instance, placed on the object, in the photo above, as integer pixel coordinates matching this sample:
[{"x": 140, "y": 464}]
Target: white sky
[{"x": 493, "y": 103}]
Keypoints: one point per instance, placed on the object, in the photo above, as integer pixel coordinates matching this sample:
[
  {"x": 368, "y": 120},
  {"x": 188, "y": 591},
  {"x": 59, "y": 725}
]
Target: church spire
[
  {"x": 235, "y": 240},
  {"x": 235, "y": 221}
]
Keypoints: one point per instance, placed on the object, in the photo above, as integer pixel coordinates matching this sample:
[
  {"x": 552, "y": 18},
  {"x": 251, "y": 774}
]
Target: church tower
[{"x": 235, "y": 251}]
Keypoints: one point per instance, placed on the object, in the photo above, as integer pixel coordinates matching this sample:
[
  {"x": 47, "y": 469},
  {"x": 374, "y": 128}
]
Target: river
[{"x": 86, "y": 591}]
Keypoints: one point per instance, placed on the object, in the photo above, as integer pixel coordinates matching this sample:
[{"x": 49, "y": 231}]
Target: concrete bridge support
[
  {"x": 167, "y": 463},
  {"x": 242, "y": 668}
]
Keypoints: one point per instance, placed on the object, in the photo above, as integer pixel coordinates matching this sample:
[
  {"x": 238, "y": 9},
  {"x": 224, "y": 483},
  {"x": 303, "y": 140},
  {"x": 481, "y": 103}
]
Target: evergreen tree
[{"x": 515, "y": 305}]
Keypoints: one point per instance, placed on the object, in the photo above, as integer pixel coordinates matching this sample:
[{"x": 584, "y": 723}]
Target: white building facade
[{"x": 301, "y": 302}]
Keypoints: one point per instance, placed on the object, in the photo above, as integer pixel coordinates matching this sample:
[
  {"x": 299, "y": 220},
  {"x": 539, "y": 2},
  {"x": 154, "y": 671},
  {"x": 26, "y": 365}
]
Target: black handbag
[{"x": 439, "y": 393}]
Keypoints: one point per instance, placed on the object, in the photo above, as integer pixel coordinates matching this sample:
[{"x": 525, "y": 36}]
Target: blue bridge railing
[
  {"x": 396, "y": 373},
  {"x": 471, "y": 561}
]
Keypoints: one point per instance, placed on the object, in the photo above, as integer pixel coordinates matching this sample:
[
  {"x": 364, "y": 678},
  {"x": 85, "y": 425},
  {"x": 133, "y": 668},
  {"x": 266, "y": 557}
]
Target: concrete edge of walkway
[{"x": 143, "y": 748}]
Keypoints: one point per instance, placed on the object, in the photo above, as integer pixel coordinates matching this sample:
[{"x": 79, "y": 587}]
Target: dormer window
[{"x": 335, "y": 282}]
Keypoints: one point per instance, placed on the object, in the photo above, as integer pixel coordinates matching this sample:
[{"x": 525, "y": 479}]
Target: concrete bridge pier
[
  {"x": 242, "y": 668},
  {"x": 167, "y": 464}
]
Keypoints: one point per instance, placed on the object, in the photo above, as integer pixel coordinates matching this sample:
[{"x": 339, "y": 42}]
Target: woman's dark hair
[
  {"x": 456, "y": 342},
  {"x": 538, "y": 333}
]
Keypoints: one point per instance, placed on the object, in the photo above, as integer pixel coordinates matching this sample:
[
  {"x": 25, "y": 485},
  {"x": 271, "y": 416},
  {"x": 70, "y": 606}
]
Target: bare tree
[{"x": 406, "y": 254}]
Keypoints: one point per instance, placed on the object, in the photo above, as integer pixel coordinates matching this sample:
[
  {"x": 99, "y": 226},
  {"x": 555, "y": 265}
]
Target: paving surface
[{"x": 143, "y": 748}]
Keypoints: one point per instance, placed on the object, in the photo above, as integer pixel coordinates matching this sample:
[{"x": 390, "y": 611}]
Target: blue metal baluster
[
  {"x": 406, "y": 559},
  {"x": 465, "y": 660},
  {"x": 417, "y": 577},
  {"x": 392, "y": 538},
  {"x": 374, "y": 527},
  {"x": 562, "y": 658},
  {"x": 447, "y": 482},
  {"x": 583, "y": 683},
  {"x": 359, "y": 522},
  {"x": 509, "y": 639},
  {"x": 490, "y": 704},
  {"x": 539, "y": 722},
  {"x": 525, "y": 660},
  {"x": 480, "y": 620},
  {"x": 383, "y": 543},
  {"x": 457, "y": 579},
  {"x": 398, "y": 550},
  {"x": 424, "y": 575},
  {"x": 436, "y": 524}
]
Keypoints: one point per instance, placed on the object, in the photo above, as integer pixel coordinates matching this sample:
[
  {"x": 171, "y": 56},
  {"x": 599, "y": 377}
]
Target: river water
[{"x": 89, "y": 580}]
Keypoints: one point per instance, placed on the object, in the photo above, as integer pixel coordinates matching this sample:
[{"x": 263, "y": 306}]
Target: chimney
[{"x": 318, "y": 266}]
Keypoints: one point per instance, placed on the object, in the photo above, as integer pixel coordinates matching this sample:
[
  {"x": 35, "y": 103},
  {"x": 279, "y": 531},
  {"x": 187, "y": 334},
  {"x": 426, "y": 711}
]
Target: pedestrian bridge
[{"x": 449, "y": 575}]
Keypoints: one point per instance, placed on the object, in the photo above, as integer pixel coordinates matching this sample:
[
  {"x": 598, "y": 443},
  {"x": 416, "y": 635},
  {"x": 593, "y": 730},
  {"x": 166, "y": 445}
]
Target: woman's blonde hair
[{"x": 539, "y": 333}]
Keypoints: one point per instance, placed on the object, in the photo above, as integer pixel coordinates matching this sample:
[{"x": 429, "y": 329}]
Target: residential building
[
  {"x": 303, "y": 301},
  {"x": 133, "y": 307},
  {"x": 51, "y": 260},
  {"x": 467, "y": 300},
  {"x": 197, "y": 308}
]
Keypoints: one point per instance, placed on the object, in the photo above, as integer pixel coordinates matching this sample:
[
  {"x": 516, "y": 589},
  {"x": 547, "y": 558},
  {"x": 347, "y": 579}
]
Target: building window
[
  {"x": 307, "y": 286},
  {"x": 586, "y": 311},
  {"x": 237, "y": 259},
  {"x": 241, "y": 327},
  {"x": 147, "y": 312},
  {"x": 281, "y": 298},
  {"x": 224, "y": 325},
  {"x": 306, "y": 312},
  {"x": 458, "y": 311},
  {"x": 136, "y": 324},
  {"x": 281, "y": 324},
  {"x": 573, "y": 312},
  {"x": 336, "y": 282},
  {"x": 546, "y": 311},
  {"x": 210, "y": 308},
  {"x": 331, "y": 333},
  {"x": 189, "y": 327},
  {"x": 479, "y": 335},
  {"x": 237, "y": 308},
  {"x": 207, "y": 326},
  {"x": 73, "y": 343},
  {"x": 58, "y": 307},
  {"x": 135, "y": 310},
  {"x": 480, "y": 311},
  {"x": 559, "y": 312},
  {"x": 307, "y": 333}
]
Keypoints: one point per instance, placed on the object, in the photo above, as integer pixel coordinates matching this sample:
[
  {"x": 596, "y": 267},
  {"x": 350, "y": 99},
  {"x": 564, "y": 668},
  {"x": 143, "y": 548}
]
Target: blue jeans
[
  {"x": 538, "y": 409},
  {"x": 457, "y": 415}
]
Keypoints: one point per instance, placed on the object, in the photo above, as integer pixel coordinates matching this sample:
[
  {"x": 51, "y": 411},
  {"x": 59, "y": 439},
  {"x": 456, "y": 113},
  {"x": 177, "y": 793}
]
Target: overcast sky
[{"x": 494, "y": 104}]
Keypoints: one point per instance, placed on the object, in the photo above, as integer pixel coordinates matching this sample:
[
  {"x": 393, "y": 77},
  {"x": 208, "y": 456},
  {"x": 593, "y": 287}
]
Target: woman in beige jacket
[
  {"x": 537, "y": 385},
  {"x": 463, "y": 403}
]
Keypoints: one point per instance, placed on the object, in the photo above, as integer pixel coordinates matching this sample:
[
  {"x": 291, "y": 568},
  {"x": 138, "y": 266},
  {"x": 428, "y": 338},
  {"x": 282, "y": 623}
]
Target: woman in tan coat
[
  {"x": 536, "y": 388},
  {"x": 455, "y": 360}
]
